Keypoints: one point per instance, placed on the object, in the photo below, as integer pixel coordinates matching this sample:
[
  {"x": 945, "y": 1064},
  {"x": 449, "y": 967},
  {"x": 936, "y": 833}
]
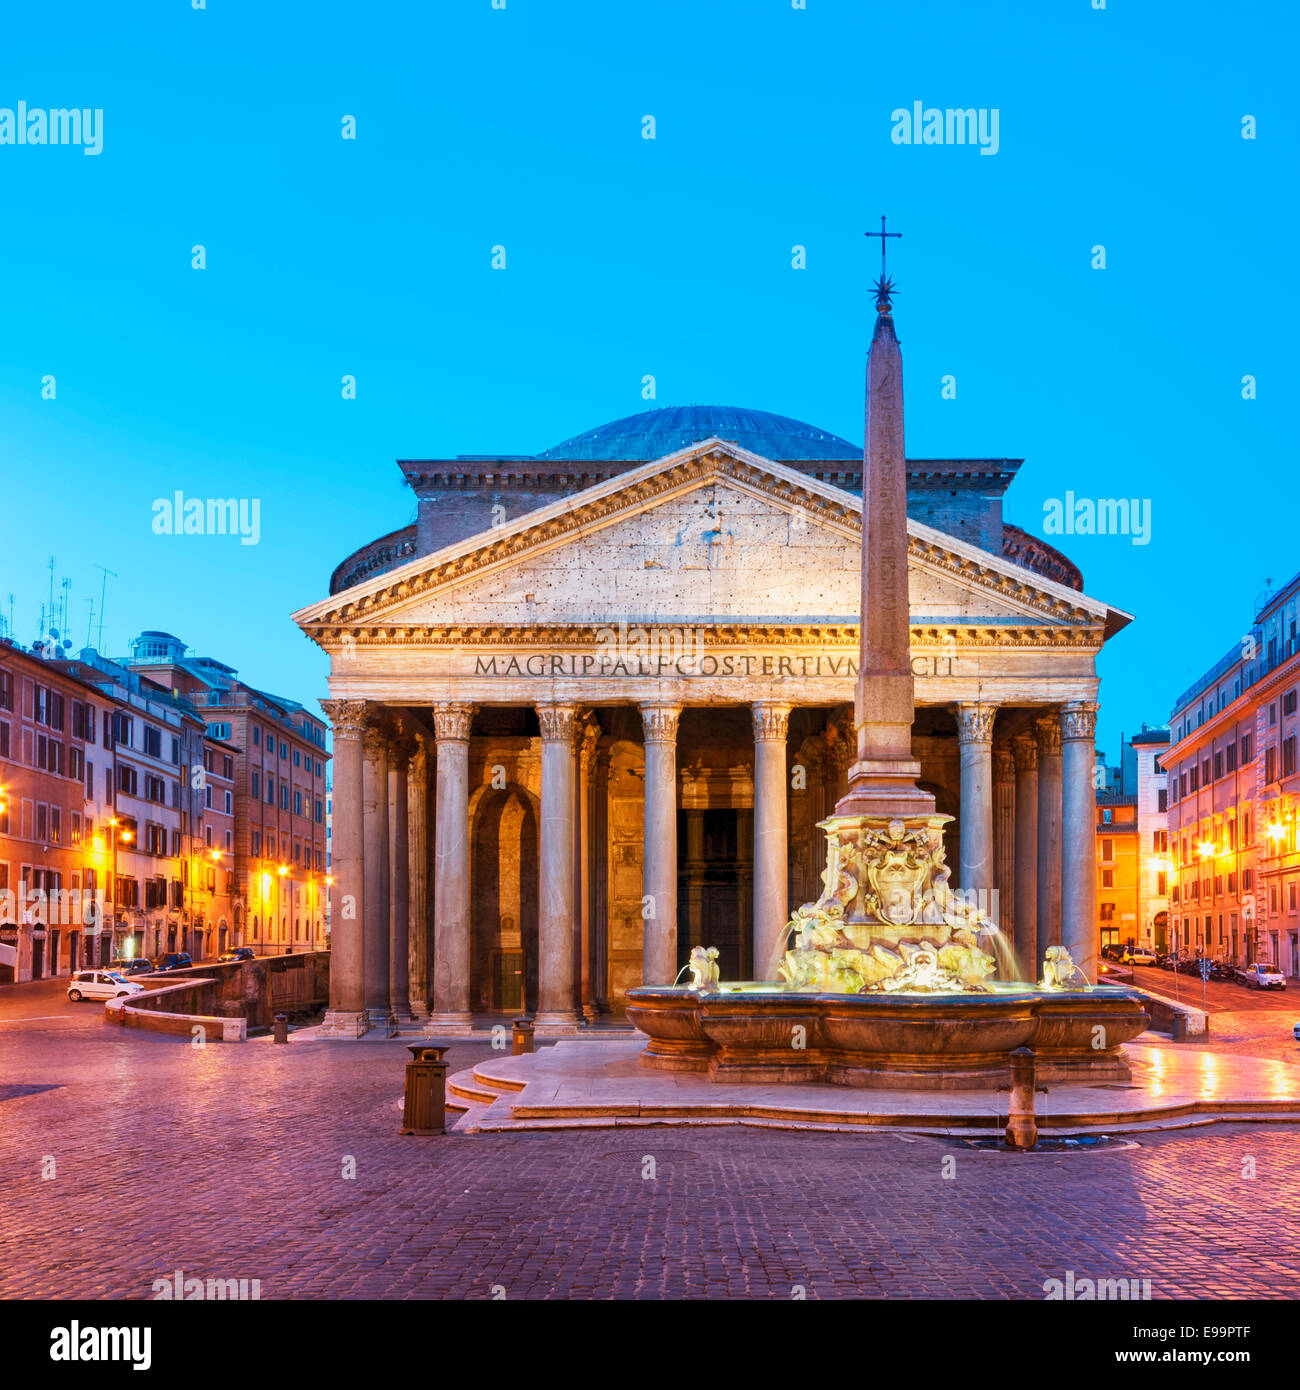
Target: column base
[
  {"x": 561, "y": 1024},
  {"x": 448, "y": 1025},
  {"x": 344, "y": 1023}
]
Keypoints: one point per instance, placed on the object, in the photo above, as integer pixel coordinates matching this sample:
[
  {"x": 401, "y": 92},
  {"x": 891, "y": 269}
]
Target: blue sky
[{"x": 626, "y": 256}]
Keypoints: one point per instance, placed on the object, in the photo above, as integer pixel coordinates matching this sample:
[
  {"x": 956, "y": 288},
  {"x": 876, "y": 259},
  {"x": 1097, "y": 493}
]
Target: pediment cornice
[{"x": 378, "y": 603}]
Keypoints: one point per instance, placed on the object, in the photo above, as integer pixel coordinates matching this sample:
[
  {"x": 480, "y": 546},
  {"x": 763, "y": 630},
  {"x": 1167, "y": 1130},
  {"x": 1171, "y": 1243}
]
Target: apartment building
[
  {"x": 278, "y": 791},
  {"x": 56, "y": 779},
  {"x": 1234, "y": 796}
]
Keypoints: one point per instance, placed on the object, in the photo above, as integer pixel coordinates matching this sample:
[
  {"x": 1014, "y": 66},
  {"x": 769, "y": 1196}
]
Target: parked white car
[
  {"x": 1261, "y": 976},
  {"x": 1139, "y": 955},
  {"x": 100, "y": 984}
]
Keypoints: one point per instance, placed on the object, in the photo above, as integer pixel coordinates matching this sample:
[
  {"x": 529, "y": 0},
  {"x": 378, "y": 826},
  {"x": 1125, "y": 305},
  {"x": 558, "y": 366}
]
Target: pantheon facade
[{"x": 590, "y": 707}]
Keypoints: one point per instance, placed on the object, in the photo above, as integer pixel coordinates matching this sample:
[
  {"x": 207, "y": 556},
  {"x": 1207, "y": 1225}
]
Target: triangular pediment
[{"x": 710, "y": 536}]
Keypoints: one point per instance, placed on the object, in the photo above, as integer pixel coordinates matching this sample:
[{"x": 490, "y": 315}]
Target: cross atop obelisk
[
  {"x": 883, "y": 779},
  {"x": 882, "y": 234}
]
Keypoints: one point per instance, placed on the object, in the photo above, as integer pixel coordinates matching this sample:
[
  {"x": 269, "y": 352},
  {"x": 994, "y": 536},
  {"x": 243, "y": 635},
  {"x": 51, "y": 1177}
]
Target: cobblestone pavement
[{"x": 232, "y": 1162}]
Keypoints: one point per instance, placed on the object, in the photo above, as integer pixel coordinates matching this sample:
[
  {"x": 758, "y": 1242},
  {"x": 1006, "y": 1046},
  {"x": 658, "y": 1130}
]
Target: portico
[{"x": 572, "y": 747}]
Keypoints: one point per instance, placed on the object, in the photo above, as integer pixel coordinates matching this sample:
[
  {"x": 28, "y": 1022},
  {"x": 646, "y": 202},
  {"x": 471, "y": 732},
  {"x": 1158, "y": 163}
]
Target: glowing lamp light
[
  {"x": 126, "y": 835},
  {"x": 1205, "y": 849},
  {"x": 329, "y": 882},
  {"x": 282, "y": 870},
  {"x": 266, "y": 884},
  {"x": 1276, "y": 831}
]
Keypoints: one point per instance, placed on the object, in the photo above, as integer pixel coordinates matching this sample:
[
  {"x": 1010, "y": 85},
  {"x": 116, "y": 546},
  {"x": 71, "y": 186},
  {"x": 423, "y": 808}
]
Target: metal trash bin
[
  {"x": 424, "y": 1105},
  {"x": 521, "y": 1037},
  {"x": 280, "y": 1028}
]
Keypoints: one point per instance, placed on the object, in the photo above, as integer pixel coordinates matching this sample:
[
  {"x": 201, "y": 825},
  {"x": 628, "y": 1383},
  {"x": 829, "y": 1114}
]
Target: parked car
[
  {"x": 174, "y": 960},
  {"x": 237, "y": 953},
  {"x": 101, "y": 984},
  {"x": 1139, "y": 955},
  {"x": 141, "y": 965},
  {"x": 1112, "y": 952},
  {"x": 1261, "y": 976}
]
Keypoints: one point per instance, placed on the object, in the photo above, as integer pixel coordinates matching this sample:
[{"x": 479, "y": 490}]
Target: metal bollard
[
  {"x": 281, "y": 1028},
  {"x": 1022, "y": 1120},
  {"x": 521, "y": 1037},
  {"x": 424, "y": 1105}
]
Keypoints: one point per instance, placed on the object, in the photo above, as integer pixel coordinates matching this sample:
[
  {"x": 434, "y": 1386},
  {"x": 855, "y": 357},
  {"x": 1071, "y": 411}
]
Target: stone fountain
[{"x": 888, "y": 979}]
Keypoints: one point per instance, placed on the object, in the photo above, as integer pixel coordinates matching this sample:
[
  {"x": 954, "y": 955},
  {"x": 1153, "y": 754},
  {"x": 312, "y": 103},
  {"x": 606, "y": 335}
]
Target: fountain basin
[{"x": 760, "y": 1033}]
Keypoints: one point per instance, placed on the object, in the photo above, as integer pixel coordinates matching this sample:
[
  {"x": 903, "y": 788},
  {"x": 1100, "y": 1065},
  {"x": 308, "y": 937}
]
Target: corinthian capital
[
  {"x": 348, "y": 717},
  {"x": 975, "y": 722},
  {"x": 660, "y": 722},
  {"x": 1079, "y": 721},
  {"x": 451, "y": 722},
  {"x": 1025, "y": 749},
  {"x": 771, "y": 721},
  {"x": 557, "y": 722},
  {"x": 1049, "y": 736}
]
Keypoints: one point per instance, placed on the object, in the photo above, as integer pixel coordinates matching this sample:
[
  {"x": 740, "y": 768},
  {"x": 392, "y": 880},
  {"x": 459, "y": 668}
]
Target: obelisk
[{"x": 882, "y": 782}]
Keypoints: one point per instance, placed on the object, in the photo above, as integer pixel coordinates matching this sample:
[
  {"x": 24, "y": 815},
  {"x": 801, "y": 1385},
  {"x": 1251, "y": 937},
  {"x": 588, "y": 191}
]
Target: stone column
[
  {"x": 975, "y": 739},
  {"x": 1004, "y": 841},
  {"x": 1079, "y": 930},
  {"x": 374, "y": 811},
  {"x": 771, "y": 836},
  {"x": 401, "y": 751},
  {"x": 600, "y": 884},
  {"x": 1025, "y": 751},
  {"x": 841, "y": 745},
  {"x": 417, "y": 813},
  {"x": 555, "y": 1001},
  {"x": 346, "y": 1017},
  {"x": 588, "y": 738},
  {"x": 659, "y": 870},
  {"x": 1049, "y": 834},
  {"x": 451, "y": 1013}
]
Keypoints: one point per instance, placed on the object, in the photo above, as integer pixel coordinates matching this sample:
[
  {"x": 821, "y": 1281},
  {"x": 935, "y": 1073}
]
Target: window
[
  {"x": 1272, "y": 715},
  {"x": 1270, "y": 765},
  {"x": 284, "y": 749},
  {"x": 1230, "y": 753},
  {"x": 257, "y": 842},
  {"x": 1205, "y": 773},
  {"x": 1107, "y": 850},
  {"x": 297, "y": 758},
  {"x": 297, "y": 803},
  {"x": 1162, "y": 800},
  {"x": 1218, "y": 766},
  {"x": 1193, "y": 779},
  {"x": 1247, "y": 877},
  {"x": 227, "y": 803},
  {"x": 1288, "y": 702},
  {"x": 1288, "y": 756},
  {"x": 257, "y": 735},
  {"x": 1232, "y": 883},
  {"x": 228, "y": 769},
  {"x": 152, "y": 741},
  {"x": 1290, "y": 896},
  {"x": 284, "y": 796},
  {"x": 256, "y": 788},
  {"x": 320, "y": 811},
  {"x": 122, "y": 729},
  {"x": 1161, "y": 885},
  {"x": 270, "y": 791},
  {"x": 1108, "y": 912},
  {"x": 207, "y": 795},
  {"x": 127, "y": 780},
  {"x": 1108, "y": 878},
  {"x": 1245, "y": 748},
  {"x": 4, "y": 739},
  {"x": 6, "y": 690},
  {"x": 155, "y": 790},
  {"x": 176, "y": 752}
]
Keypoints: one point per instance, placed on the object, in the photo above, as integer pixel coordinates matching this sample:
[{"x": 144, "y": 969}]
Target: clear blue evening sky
[{"x": 626, "y": 257}]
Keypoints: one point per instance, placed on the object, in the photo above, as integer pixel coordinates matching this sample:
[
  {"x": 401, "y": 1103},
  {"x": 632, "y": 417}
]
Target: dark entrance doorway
[
  {"x": 503, "y": 904},
  {"x": 715, "y": 887}
]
